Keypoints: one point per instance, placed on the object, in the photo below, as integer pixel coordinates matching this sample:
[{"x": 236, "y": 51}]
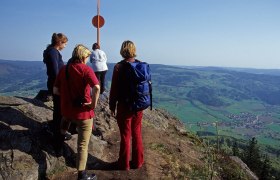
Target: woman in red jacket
[
  {"x": 129, "y": 122},
  {"x": 74, "y": 84}
]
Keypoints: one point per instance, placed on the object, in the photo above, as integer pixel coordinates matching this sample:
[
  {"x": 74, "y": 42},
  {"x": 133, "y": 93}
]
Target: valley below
[{"x": 231, "y": 104}]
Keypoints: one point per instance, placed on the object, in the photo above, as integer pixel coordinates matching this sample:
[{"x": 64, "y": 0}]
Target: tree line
[{"x": 259, "y": 163}]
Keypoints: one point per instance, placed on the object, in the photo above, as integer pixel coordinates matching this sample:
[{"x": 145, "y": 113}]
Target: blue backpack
[{"x": 140, "y": 84}]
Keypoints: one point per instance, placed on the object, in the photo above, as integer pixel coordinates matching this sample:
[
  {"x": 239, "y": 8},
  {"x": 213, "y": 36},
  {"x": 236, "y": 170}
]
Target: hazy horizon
[
  {"x": 225, "y": 67},
  {"x": 218, "y": 33}
]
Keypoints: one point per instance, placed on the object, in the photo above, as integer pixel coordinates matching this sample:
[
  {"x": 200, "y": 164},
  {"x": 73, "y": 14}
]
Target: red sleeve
[{"x": 114, "y": 88}]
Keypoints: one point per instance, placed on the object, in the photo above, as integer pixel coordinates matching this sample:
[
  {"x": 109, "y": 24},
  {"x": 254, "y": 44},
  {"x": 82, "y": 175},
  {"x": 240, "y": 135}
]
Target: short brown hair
[
  {"x": 128, "y": 50},
  {"x": 95, "y": 46}
]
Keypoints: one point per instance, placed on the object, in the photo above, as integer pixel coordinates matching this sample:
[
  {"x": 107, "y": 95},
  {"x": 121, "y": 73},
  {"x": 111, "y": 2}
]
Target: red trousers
[{"x": 130, "y": 125}]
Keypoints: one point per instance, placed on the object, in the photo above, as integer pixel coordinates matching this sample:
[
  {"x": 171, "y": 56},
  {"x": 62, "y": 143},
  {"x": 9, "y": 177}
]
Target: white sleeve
[{"x": 104, "y": 57}]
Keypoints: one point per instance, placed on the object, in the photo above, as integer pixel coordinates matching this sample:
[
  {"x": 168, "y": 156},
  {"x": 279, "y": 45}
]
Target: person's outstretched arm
[{"x": 95, "y": 96}]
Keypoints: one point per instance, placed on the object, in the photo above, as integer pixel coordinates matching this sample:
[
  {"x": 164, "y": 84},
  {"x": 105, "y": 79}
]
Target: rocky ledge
[{"x": 171, "y": 152}]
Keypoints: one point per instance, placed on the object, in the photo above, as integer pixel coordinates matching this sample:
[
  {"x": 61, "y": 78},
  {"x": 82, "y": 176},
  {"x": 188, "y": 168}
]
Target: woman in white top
[{"x": 99, "y": 65}]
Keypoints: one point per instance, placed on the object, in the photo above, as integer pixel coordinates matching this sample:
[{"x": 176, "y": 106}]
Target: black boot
[
  {"x": 82, "y": 175},
  {"x": 67, "y": 136}
]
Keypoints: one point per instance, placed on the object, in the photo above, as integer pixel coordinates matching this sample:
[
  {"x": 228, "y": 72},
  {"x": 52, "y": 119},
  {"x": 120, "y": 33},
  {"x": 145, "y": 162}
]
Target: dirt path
[{"x": 168, "y": 154}]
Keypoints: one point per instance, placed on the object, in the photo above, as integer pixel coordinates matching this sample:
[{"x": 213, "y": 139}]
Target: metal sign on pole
[{"x": 98, "y": 21}]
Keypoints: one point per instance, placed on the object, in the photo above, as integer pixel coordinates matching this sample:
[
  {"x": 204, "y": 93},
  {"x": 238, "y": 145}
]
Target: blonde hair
[
  {"x": 128, "y": 50},
  {"x": 79, "y": 53}
]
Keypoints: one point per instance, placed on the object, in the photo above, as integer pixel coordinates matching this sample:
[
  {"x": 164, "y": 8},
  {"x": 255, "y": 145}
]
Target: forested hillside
[{"x": 22, "y": 78}]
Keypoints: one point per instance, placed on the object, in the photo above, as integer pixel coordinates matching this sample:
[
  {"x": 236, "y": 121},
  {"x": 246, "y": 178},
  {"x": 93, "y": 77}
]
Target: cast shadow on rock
[
  {"x": 35, "y": 102},
  {"x": 19, "y": 132},
  {"x": 24, "y": 141},
  {"x": 99, "y": 164}
]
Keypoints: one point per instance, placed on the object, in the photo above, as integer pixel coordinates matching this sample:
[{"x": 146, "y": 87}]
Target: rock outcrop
[{"x": 26, "y": 150}]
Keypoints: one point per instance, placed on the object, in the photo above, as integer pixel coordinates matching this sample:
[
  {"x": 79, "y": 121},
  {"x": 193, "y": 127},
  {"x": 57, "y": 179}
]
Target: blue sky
[{"x": 230, "y": 33}]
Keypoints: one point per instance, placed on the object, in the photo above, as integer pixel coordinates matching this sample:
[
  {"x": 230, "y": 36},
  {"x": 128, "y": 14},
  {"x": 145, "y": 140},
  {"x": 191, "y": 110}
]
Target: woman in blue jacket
[{"x": 54, "y": 62}]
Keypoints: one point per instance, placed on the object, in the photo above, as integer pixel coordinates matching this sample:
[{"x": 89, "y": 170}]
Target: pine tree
[
  {"x": 266, "y": 169},
  {"x": 252, "y": 156},
  {"x": 235, "y": 150}
]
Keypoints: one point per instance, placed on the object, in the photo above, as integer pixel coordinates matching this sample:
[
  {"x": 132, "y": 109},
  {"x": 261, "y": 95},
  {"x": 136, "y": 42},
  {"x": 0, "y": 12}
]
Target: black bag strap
[{"x": 67, "y": 80}]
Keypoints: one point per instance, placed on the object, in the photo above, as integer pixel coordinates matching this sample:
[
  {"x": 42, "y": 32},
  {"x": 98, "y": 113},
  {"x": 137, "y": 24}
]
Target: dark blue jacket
[{"x": 54, "y": 62}]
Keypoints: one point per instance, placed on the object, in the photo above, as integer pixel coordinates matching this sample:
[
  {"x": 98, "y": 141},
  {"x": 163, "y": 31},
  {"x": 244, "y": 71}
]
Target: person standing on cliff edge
[
  {"x": 54, "y": 62},
  {"x": 99, "y": 65},
  {"x": 129, "y": 121},
  {"x": 78, "y": 88}
]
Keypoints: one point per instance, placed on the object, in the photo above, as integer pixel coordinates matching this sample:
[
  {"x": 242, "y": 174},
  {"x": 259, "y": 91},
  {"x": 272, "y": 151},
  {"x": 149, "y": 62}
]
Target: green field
[{"x": 274, "y": 127}]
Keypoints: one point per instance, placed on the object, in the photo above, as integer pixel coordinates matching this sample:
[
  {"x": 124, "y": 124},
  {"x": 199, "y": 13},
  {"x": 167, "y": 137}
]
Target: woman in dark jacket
[
  {"x": 53, "y": 58},
  {"x": 54, "y": 62}
]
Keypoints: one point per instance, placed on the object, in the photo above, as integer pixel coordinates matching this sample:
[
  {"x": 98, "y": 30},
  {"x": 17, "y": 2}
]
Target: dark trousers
[
  {"x": 101, "y": 78},
  {"x": 130, "y": 126},
  {"x": 55, "y": 125},
  {"x": 50, "y": 84}
]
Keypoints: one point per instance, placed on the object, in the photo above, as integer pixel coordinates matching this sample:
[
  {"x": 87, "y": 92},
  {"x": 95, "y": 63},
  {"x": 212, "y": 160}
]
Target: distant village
[
  {"x": 254, "y": 122},
  {"x": 246, "y": 120}
]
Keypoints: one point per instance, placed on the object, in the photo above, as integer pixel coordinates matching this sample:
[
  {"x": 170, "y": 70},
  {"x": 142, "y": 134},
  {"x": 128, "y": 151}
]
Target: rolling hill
[{"x": 241, "y": 103}]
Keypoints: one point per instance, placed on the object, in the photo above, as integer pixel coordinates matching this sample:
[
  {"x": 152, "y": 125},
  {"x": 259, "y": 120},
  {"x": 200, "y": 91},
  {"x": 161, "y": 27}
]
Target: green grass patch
[
  {"x": 274, "y": 127},
  {"x": 186, "y": 112},
  {"x": 268, "y": 141},
  {"x": 245, "y": 106}
]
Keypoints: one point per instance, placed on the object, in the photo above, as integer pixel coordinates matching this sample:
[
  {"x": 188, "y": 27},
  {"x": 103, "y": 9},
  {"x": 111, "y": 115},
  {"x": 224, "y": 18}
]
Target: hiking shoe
[
  {"x": 67, "y": 136},
  {"x": 88, "y": 177},
  {"x": 133, "y": 166}
]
